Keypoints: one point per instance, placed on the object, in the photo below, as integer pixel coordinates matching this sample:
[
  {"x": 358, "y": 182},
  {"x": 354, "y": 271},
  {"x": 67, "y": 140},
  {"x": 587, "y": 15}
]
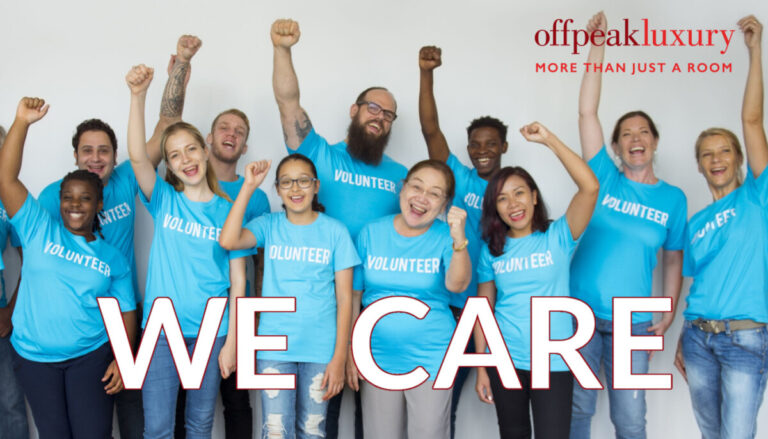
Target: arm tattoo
[
  {"x": 173, "y": 96},
  {"x": 303, "y": 127}
]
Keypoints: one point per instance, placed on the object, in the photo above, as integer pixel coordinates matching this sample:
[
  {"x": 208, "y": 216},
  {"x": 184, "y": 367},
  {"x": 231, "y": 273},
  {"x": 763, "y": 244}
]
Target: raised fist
[
  {"x": 285, "y": 33},
  {"x": 456, "y": 219},
  {"x": 138, "y": 78},
  {"x": 187, "y": 47},
  {"x": 31, "y": 110},
  {"x": 597, "y": 22},
  {"x": 430, "y": 58},
  {"x": 535, "y": 132},
  {"x": 256, "y": 172},
  {"x": 752, "y": 30}
]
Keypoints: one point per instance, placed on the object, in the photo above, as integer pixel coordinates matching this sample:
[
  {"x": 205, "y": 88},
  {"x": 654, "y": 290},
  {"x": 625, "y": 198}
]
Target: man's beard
[{"x": 363, "y": 146}]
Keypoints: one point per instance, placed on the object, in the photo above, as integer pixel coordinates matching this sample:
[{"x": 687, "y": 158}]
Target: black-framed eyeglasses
[
  {"x": 304, "y": 182},
  {"x": 376, "y": 109}
]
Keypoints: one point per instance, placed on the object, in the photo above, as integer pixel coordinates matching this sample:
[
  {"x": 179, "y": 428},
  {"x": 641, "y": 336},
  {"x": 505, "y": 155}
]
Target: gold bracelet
[{"x": 461, "y": 247}]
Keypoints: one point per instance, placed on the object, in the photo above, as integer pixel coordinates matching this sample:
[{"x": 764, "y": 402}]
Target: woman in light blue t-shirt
[
  {"x": 60, "y": 346},
  {"x": 186, "y": 263},
  {"x": 526, "y": 256},
  {"x": 722, "y": 350},
  {"x": 308, "y": 256},
  {"x": 412, "y": 254}
]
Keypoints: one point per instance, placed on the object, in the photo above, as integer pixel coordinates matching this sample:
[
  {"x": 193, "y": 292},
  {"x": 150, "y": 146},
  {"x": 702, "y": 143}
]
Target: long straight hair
[
  {"x": 210, "y": 174},
  {"x": 494, "y": 229}
]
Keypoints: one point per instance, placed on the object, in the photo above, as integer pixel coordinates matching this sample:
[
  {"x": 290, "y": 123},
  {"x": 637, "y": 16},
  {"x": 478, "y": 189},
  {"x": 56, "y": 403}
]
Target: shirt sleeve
[
  {"x": 49, "y": 199},
  {"x": 160, "y": 194},
  {"x": 358, "y": 282},
  {"x": 126, "y": 175},
  {"x": 259, "y": 227},
  {"x": 122, "y": 287},
  {"x": 562, "y": 233},
  {"x": 30, "y": 221},
  {"x": 758, "y": 186},
  {"x": 460, "y": 171},
  {"x": 313, "y": 146},
  {"x": 602, "y": 165},
  {"x": 677, "y": 223},
  {"x": 344, "y": 252},
  {"x": 15, "y": 241},
  {"x": 484, "y": 266},
  {"x": 689, "y": 269}
]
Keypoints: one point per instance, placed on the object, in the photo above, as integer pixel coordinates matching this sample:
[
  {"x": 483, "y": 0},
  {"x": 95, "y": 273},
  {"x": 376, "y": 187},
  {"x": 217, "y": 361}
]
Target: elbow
[
  {"x": 752, "y": 118},
  {"x": 458, "y": 286},
  {"x": 591, "y": 188},
  {"x": 226, "y": 243}
]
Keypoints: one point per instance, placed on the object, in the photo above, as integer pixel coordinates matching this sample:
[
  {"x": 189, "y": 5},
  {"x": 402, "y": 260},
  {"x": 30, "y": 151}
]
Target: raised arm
[
  {"x": 138, "y": 79},
  {"x": 12, "y": 191},
  {"x": 233, "y": 235},
  {"x": 296, "y": 123},
  {"x": 583, "y": 203},
  {"x": 172, "y": 104},
  {"x": 752, "y": 109},
  {"x": 430, "y": 58},
  {"x": 590, "y": 130},
  {"x": 460, "y": 270}
]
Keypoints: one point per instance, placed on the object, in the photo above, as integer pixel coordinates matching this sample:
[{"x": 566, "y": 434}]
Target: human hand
[
  {"x": 456, "y": 219},
  {"x": 113, "y": 379},
  {"x": 285, "y": 33},
  {"x": 227, "y": 359},
  {"x": 30, "y": 110},
  {"x": 187, "y": 47},
  {"x": 256, "y": 172},
  {"x": 333, "y": 378},
  {"x": 483, "y": 386},
  {"x": 430, "y": 58},
  {"x": 139, "y": 78},
  {"x": 752, "y": 30}
]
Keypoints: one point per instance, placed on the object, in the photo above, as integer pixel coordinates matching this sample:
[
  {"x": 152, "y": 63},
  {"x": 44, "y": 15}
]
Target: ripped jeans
[{"x": 301, "y": 411}]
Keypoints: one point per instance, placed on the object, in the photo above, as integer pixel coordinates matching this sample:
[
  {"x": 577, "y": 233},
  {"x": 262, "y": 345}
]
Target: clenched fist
[
  {"x": 256, "y": 172},
  {"x": 430, "y": 57},
  {"x": 187, "y": 47},
  {"x": 285, "y": 33},
  {"x": 138, "y": 78},
  {"x": 456, "y": 219}
]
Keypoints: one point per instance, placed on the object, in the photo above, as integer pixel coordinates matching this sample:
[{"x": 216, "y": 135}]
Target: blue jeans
[
  {"x": 627, "y": 406},
  {"x": 301, "y": 411},
  {"x": 726, "y": 378},
  {"x": 13, "y": 411},
  {"x": 162, "y": 386}
]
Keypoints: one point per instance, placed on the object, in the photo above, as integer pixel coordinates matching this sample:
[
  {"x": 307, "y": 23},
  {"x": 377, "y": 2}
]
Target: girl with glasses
[{"x": 309, "y": 256}]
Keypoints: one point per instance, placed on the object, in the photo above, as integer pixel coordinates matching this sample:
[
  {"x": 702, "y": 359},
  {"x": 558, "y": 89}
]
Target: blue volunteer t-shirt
[
  {"x": 395, "y": 265},
  {"x": 186, "y": 262},
  {"x": 117, "y": 217},
  {"x": 726, "y": 253},
  {"x": 301, "y": 261},
  {"x": 470, "y": 189},
  {"x": 6, "y": 230},
  {"x": 353, "y": 192},
  {"x": 535, "y": 265},
  {"x": 617, "y": 253},
  {"x": 57, "y": 317}
]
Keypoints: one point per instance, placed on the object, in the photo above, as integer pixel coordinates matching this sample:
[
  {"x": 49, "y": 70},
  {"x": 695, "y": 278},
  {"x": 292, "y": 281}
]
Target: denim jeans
[
  {"x": 13, "y": 411},
  {"x": 161, "y": 389},
  {"x": 726, "y": 377},
  {"x": 300, "y": 411},
  {"x": 627, "y": 407}
]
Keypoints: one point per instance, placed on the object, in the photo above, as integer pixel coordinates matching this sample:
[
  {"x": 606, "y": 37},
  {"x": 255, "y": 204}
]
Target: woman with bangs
[
  {"x": 416, "y": 255},
  {"x": 517, "y": 232},
  {"x": 186, "y": 264},
  {"x": 722, "y": 349}
]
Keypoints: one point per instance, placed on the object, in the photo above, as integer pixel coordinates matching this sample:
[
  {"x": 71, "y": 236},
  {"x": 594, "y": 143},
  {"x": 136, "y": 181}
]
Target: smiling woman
[{"x": 60, "y": 345}]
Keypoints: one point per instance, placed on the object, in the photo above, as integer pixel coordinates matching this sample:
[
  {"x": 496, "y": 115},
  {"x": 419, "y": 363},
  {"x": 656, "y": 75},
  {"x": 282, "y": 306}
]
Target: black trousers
[{"x": 551, "y": 408}]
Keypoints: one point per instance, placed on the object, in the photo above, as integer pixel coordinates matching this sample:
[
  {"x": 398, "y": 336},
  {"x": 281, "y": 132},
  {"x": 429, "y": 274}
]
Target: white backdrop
[{"x": 75, "y": 55}]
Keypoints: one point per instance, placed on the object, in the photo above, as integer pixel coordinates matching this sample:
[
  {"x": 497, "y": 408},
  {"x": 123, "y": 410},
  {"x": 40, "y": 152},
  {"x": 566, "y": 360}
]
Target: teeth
[
  {"x": 418, "y": 210},
  {"x": 516, "y": 215},
  {"x": 483, "y": 161},
  {"x": 637, "y": 148}
]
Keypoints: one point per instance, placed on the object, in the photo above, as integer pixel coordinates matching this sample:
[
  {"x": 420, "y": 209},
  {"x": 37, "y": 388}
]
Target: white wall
[{"x": 75, "y": 55}]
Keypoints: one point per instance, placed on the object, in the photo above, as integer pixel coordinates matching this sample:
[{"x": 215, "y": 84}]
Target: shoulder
[{"x": 51, "y": 191}]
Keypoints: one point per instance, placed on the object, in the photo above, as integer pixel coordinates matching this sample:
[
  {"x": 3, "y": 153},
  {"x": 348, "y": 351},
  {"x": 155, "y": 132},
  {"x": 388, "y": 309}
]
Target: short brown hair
[{"x": 238, "y": 113}]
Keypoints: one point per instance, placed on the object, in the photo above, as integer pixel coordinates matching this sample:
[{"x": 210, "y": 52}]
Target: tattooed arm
[
  {"x": 296, "y": 124},
  {"x": 172, "y": 104}
]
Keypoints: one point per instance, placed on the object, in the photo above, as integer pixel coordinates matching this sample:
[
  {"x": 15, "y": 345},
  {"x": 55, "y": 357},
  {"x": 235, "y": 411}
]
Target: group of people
[{"x": 352, "y": 222}]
